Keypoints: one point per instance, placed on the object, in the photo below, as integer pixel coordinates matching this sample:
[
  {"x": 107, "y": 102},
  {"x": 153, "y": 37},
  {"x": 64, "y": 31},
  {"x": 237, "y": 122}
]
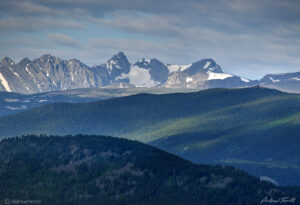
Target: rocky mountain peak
[
  {"x": 117, "y": 65},
  {"x": 119, "y": 57},
  {"x": 24, "y": 61},
  {"x": 75, "y": 62},
  {"x": 7, "y": 61},
  {"x": 47, "y": 58},
  {"x": 119, "y": 60},
  {"x": 143, "y": 63},
  {"x": 204, "y": 65}
]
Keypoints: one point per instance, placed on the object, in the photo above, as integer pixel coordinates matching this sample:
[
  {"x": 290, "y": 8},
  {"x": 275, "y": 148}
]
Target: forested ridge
[{"x": 104, "y": 170}]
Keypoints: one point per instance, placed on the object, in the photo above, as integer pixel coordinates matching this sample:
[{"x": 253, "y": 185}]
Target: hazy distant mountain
[
  {"x": 49, "y": 73},
  {"x": 289, "y": 82}
]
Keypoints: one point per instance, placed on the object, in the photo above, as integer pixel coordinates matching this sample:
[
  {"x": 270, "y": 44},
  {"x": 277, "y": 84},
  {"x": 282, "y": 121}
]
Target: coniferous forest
[{"x": 86, "y": 169}]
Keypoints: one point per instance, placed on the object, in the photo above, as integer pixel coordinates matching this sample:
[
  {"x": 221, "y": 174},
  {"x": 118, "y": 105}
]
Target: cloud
[
  {"x": 24, "y": 8},
  {"x": 148, "y": 24},
  {"x": 143, "y": 15},
  {"x": 35, "y": 24},
  {"x": 243, "y": 36},
  {"x": 245, "y": 10},
  {"x": 62, "y": 39}
]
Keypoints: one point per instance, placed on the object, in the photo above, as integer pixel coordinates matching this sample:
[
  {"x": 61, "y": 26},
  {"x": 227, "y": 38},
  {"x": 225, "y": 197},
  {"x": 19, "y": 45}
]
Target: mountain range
[
  {"x": 49, "y": 73},
  {"x": 255, "y": 129}
]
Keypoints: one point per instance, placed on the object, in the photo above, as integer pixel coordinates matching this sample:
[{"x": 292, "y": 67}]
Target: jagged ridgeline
[
  {"x": 104, "y": 170},
  {"x": 50, "y": 73},
  {"x": 255, "y": 129}
]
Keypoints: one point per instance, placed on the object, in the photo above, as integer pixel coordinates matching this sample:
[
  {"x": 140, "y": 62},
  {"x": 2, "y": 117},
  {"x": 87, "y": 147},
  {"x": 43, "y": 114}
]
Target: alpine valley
[{"x": 49, "y": 73}]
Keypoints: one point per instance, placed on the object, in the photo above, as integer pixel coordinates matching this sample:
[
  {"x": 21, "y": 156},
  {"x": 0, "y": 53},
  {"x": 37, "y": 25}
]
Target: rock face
[
  {"x": 158, "y": 71},
  {"x": 115, "y": 67},
  {"x": 49, "y": 73}
]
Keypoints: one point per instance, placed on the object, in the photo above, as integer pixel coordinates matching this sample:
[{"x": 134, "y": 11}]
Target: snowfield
[{"x": 218, "y": 76}]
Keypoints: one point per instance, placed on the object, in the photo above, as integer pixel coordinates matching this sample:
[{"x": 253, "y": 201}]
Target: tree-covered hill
[
  {"x": 256, "y": 129},
  {"x": 104, "y": 170}
]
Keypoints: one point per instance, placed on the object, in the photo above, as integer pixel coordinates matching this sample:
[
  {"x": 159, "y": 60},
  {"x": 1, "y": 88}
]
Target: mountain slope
[
  {"x": 252, "y": 128},
  {"x": 105, "y": 170}
]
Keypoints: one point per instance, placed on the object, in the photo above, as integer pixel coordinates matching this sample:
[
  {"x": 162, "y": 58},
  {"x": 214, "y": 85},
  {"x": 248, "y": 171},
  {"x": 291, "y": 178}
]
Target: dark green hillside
[
  {"x": 105, "y": 170},
  {"x": 256, "y": 129},
  {"x": 129, "y": 115},
  {"x": 12, "y": 103}
]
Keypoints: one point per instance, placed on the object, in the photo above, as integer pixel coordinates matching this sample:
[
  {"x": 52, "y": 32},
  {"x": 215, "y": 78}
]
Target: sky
[{"x": 249, "y": 38}]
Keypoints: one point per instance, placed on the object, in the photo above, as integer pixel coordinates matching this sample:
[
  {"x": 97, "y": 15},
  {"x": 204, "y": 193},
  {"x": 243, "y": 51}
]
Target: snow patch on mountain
[
  {"x": 43, "y": 100},
  {"x": 189, "y": 79},
  {"x": 16, "y": 74},
  {"x": 268, "y": 179},
  {"x": 173, "y": 68},
  {"x": 245, "y": 80},
  {"x": 218, "y": 76},
  {"x": 207, "y": 64},
  {"x": 273, "y": 80},
  {"x": 139, "y": 77},
  {"x": 9, "y": 100},
  {"x": 16, "y": 108},
  {"x": 4, "y": 83}
]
